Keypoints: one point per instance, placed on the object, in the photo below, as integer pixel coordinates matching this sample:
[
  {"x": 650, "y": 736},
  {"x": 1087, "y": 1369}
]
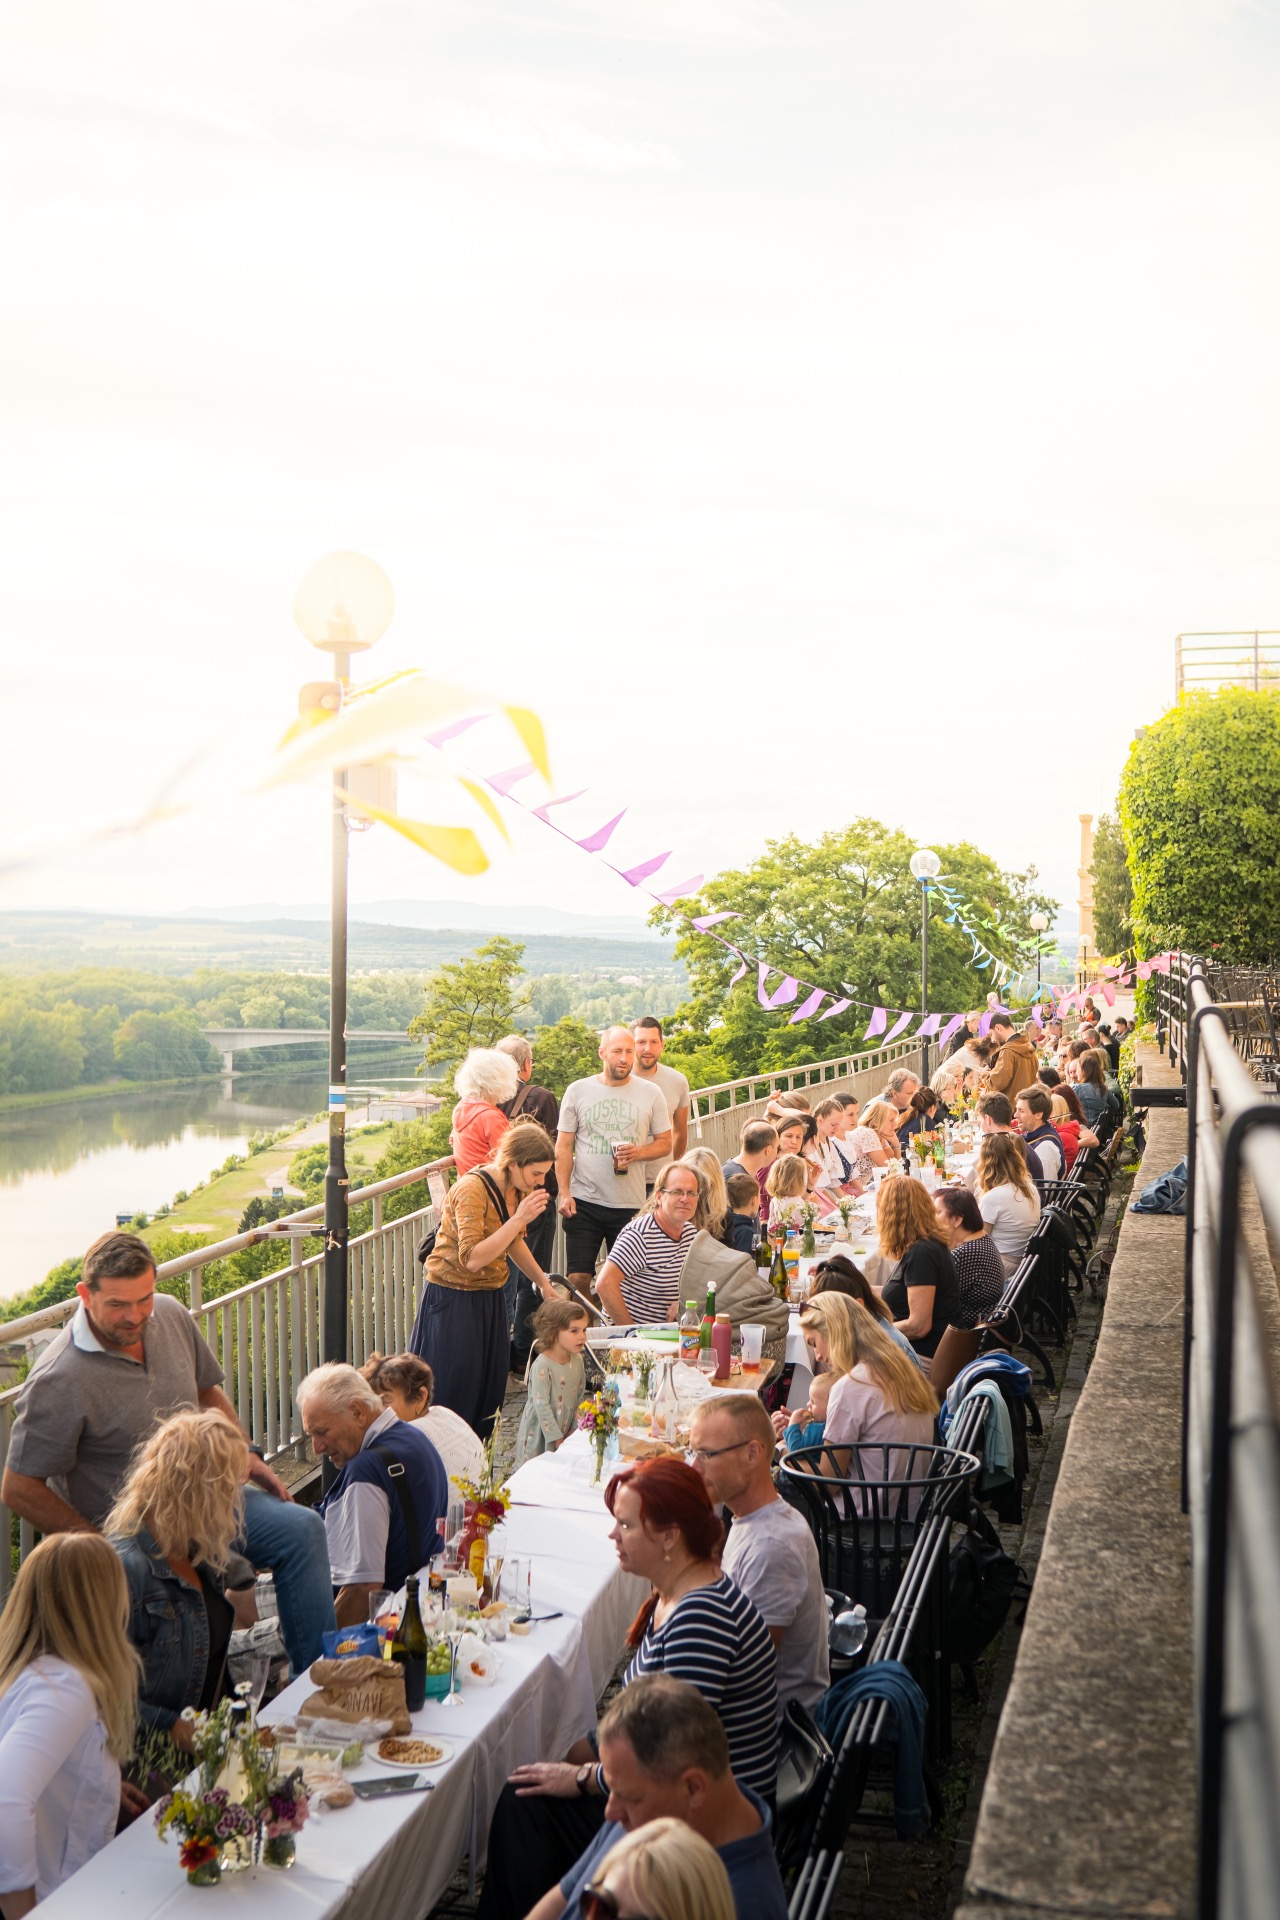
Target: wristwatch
[
  {"x": 585, "y": 1773},
  {"x": 256, "y": 1450}
]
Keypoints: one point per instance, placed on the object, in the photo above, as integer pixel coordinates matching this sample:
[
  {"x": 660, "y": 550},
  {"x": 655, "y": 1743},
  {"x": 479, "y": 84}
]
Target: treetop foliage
[
  {"x": 1112, "y": 888},
  {"x": 1200, "y": 808},
  {"x": 841, "y": 912}
]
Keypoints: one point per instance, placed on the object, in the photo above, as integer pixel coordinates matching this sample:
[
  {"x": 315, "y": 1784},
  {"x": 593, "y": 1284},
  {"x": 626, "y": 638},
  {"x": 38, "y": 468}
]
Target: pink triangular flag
[
  {"x": 878, "y": 1022},
  {"x": 597, "y": 841},
  {"x": 956, "y": 1020},
  {"x": 451, "y": 732},
  {"x": 902, "y": 1020},
  {"x": 928, "y": 1026},
  {"x": 634, "y": 875},
  {"x": 808, "y": 1006},
  {"x": 503, "y": 782},
  {"x": 837, "y": 1006},
  {"x": 781, "y": 996},
  {"x": 1108, "y": 993},
  {"x": 542, "y": 812},
  {"x": 670, "y": 895},
  {"x": 706, "y": 920}
]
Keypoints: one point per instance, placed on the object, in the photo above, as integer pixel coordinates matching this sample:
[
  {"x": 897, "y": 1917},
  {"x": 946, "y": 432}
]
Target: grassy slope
[{"x": 218, "y": 1207}]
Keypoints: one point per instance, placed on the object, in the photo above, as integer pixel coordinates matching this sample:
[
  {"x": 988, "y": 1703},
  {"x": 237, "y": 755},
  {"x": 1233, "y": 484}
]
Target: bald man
[{"x": 611, "y": 1126}]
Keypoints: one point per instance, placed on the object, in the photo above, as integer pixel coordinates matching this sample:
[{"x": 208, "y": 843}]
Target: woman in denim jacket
[{"x": 173, "y": 1526}]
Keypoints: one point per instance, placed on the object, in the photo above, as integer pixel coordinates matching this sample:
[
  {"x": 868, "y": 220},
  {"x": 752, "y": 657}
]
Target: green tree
[
  {"x": 162, "y": 1046},
  {"x": 415, "y": 1144},
  {"x": 471, "y": 1002},
  {"x": 1200, "y": 808},
  {"x": 1112, "y": 888},
  {"x": 842, "y": 913},
  {"x": 564, "y": 1052}
]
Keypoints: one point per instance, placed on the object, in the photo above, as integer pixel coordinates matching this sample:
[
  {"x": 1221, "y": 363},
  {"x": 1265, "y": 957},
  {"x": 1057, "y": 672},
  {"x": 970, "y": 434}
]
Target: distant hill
[
  {"x": 441, "y": 916},
  {"x": 177, "y": 943}
]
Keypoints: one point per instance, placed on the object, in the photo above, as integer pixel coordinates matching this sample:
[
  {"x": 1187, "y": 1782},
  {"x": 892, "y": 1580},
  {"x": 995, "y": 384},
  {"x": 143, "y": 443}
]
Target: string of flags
[{"x": 776, "y": 987}]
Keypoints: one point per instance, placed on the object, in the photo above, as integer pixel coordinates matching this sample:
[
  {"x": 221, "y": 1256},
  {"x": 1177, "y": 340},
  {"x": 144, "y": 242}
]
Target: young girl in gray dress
[{"x": 556, "y": 1379}]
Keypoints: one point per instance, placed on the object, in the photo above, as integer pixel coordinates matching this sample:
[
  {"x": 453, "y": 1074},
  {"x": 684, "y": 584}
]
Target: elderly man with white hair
[
  {"x": 484, "y": 1080},
  {"x": 380, "y": 1514}
]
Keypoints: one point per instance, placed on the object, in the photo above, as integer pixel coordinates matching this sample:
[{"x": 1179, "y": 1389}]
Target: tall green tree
[
  {"x": 1200, "y": 807},
  {"x": 1112, "y": 888},
  {"x": 841, "y": 912},
  {"x": 471, "y": 1002},
  {"x": 564, "y": 1052}
]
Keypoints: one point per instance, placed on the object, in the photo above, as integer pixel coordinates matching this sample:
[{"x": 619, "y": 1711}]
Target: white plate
[{"x": 412, "y": 1766}]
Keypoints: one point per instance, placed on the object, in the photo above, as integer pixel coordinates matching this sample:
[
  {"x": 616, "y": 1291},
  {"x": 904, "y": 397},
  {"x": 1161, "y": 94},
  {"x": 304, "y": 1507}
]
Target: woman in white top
[
  {"x": 1007, "y": 1198},
  {"x": 881, "y": 1397},
  {"x": 877, "y": 1138},
  {"x": 68, "y": 1704},
  {"x": 405, "y": 1384}
]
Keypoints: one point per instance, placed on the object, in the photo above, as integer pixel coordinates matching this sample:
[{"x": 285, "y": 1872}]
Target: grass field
[{"x": 218, "y": 1207}]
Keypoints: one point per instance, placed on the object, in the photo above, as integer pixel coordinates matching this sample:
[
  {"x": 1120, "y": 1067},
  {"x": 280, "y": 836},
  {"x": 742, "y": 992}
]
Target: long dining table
[{"x": 392, "y": 1859}]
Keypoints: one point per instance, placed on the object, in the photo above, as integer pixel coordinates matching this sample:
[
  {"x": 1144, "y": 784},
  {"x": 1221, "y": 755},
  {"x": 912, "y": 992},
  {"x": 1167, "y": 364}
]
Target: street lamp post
[
  {"x": 344, "y": 604},
  {"x": 1039, "y": 925},
  {"x": 925, "y": 866}
]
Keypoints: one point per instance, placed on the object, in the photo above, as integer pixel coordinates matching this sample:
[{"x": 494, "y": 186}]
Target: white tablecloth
[{"x": 393, "y": 1859}]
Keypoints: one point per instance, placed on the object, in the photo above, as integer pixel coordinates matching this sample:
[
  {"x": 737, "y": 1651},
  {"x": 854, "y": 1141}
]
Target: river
[{"x": 67, "y": 1170}]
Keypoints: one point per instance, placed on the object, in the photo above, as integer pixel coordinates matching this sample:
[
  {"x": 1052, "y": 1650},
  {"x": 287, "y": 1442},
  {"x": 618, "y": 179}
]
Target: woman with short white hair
[{"x": 484, "y": 1080}]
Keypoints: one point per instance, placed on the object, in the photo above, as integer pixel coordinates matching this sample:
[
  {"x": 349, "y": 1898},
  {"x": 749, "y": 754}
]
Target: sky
[{"x": 810, "y": 410}]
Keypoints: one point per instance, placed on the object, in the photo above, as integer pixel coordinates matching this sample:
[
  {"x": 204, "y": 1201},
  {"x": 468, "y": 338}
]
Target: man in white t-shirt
[
  {"x": 770, "y": 1552},
  {"x": 611, "y": 1127},
  {"x": 671, "y": 1083}
]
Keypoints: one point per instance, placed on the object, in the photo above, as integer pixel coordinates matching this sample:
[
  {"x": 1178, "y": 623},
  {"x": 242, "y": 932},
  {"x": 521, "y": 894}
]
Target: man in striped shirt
[{"x": 640, "y": 1281}]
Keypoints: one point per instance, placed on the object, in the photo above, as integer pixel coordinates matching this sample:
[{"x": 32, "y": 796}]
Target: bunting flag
[{"x": 815, "y": 1001}]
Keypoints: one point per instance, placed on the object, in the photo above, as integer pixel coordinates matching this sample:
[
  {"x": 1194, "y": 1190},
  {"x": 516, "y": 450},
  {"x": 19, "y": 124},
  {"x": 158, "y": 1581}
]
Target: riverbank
[
  {"x": 217, "y": 1207},
  {"x": 288, "y": 1068}
]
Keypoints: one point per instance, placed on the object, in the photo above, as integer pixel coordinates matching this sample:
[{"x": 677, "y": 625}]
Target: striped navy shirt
[
  {"x": 650, "y": 1263},
  {"x": 715, "y": 1638}
]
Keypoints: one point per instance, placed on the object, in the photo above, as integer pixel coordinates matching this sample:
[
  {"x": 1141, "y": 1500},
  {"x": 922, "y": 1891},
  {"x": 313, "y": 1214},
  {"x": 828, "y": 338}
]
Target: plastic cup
[{"x": 752, "y": 1346}]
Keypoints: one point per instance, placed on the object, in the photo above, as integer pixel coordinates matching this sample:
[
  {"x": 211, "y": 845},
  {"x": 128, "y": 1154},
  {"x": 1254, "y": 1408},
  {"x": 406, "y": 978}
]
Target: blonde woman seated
[
  {"x": 68, "y": 1704},
  {"x": 876, "y": 1139},
  {"x": 663, "y": 1870},
  {"x": 787, "y": 1185},
  {"x": 1007, "y": 1198},
  {"x": 172, "y": 1526},
  {"x": 881, "y": 1397},
  {"x": 712, "y": 1215}
]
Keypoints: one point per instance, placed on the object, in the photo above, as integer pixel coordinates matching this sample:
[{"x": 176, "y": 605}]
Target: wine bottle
[
  {"x": 410, "y": 1648},
  {"x": 705, "y": 1357},
  {"x": 778, "y": 1272}
]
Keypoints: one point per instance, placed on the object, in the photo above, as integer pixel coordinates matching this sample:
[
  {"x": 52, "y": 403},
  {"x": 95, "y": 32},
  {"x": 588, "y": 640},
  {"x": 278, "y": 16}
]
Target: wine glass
[
  {"x": 517, "y": 1585},
  {"x": 453, "y": 1630},
  {"x": 253, "y": 1671},
  {"x": 383, "y": 1615}
]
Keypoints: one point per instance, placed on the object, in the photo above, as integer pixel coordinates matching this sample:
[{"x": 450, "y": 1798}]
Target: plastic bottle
[
  {"x": 690, "y": 1334},
  {"x": 722, "y": 1344},
  {"x": 791, "y": 1264}
]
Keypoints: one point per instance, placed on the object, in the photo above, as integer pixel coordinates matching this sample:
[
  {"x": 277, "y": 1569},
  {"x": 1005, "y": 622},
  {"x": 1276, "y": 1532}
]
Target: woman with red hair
[{"x": 696, "y": 1624}]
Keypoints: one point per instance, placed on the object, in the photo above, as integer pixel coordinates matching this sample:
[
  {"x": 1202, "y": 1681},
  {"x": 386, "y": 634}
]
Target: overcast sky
[{"x": 810, "y": 407}]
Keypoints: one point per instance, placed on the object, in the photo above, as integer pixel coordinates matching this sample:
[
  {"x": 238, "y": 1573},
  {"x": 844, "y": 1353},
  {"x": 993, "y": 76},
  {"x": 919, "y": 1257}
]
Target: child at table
[
  {"x": 744, "y": 1211},
  {"x": 806, "y": 1425},
  {"x": 556, "y": 1379}
]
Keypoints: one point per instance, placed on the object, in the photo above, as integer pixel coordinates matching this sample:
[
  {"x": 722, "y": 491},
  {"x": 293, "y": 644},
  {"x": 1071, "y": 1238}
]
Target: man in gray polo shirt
[{"x": 128, "y": 1359}]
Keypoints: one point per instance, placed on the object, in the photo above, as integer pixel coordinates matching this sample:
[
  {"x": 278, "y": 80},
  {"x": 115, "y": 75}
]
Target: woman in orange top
[{"x": 485, "y": 1078}]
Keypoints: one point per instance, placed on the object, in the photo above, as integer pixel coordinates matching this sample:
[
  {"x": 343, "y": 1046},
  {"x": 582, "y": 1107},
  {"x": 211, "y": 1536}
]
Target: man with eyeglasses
[
  {"x": 664, "y": 1752},
  {"x": 770, "y": 1552},
  {"x": 640, "y": 1280}
]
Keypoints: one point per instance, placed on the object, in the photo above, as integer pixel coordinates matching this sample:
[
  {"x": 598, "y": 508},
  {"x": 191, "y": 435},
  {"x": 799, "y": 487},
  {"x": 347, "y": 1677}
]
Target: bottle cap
[
  {"x": 691, "y": 1306},
  {"x": 725, "y": 1318}
]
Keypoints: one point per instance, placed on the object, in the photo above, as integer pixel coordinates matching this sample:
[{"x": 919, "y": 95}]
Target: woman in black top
[
  {"x": 922, "y": 1293},
  {"x": 980, "y": 1272}
]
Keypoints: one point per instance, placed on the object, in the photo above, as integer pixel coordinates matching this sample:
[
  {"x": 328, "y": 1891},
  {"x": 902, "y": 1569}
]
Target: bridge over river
[{"x": 232, "y": 1040}]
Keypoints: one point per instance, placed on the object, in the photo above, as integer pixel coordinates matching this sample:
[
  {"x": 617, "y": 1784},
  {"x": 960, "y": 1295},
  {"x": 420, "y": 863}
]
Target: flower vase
[
  {"x": 600, "y": 1446},
  {"x": 478, "y": 1523},
  {"x": 280, "y": 1850},
  {"x": 208, "y": 1873}
]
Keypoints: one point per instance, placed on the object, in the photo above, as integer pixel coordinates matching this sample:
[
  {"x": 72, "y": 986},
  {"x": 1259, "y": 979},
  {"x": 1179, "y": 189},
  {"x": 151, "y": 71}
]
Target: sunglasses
[{"x": 598, "y": 1903}]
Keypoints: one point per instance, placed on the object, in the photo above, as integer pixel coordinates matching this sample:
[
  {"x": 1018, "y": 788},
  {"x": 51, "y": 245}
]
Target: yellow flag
[{"x": 455, "y": 847}]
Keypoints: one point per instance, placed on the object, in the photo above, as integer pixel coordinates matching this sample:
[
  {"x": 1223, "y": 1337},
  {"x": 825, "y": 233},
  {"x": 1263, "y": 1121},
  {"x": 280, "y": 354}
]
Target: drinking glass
[
  {"x": 517, "y": 1585},
  {"x": 383, "y": 1615}
]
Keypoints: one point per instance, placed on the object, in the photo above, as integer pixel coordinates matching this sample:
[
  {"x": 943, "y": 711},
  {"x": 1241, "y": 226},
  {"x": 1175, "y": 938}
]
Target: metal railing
[
  {"x": 1232, "y": 1457},
  {"x": 1242, "y": 659},
  {"x": 266, "y": 1334}
]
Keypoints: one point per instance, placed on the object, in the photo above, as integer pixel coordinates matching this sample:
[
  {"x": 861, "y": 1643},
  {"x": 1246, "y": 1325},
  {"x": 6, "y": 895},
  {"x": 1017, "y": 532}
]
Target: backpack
[{"x": 983, "y": 1583}]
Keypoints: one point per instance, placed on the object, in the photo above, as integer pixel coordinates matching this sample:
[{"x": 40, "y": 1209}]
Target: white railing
[{"x": 267, "y": 1334}]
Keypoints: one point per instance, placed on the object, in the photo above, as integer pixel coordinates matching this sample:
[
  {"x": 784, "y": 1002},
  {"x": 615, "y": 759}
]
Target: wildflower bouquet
[
  {"x": 598, "y": 1416},
  {"x": 204, "y": 1818},
  {"x": 485, "y": 1504}
]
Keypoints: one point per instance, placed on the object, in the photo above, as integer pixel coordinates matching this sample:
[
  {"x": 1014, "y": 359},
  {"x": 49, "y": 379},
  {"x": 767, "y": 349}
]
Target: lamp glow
[
  {"x": 345, "y": 603},
  {"x": 925, "y": 865}
]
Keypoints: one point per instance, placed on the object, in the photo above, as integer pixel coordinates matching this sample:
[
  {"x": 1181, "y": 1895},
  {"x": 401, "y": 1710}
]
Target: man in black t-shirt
[{"x": 529, "y": 1103}]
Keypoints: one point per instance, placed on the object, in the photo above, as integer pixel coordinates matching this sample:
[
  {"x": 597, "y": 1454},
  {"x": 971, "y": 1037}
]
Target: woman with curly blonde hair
[
  {"x": 922, "y": 1292},
  {"x": 68, "y": 1697},
  {"x": 172, "y": 1525},
  {"x": 663, "y": 1870}
]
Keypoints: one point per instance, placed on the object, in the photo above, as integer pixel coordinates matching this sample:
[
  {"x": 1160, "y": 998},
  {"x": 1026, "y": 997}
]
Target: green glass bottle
[{"x": 409, "y": 1648}]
